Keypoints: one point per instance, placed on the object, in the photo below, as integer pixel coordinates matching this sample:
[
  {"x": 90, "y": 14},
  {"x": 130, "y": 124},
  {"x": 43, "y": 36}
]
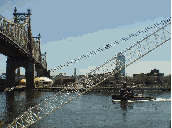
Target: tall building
[
  {"x": 74, "y": 71},
  {"x": 120, "y": 63}
]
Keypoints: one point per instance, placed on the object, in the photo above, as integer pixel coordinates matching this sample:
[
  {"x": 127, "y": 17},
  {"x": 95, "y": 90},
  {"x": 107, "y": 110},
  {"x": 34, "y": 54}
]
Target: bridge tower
[{"x": 28, "y": 62}]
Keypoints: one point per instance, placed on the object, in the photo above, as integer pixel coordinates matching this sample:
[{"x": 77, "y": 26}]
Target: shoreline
[{"x": 104, "y": 89}]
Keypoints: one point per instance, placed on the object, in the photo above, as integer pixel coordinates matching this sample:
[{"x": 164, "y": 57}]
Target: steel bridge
[
  {"x": 21, "y": 49},
  {"x": 150, "y": 38}
]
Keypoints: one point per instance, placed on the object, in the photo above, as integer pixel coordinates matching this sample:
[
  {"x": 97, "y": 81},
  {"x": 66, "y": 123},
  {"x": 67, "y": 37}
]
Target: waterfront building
[
  {"x": 58, "y": 80},
  {"x": 154, "y": 77},
  {"x": 139, "y": 78},
  {"x": 69, "y": 80},
  {"x": 167, "y": 80},
  {"x": 155, "y": 72}
]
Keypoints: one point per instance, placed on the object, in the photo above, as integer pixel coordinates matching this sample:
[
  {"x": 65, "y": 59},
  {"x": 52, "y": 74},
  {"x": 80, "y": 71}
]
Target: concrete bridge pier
[
  {"x": 30, "y": 76},
  {"x": 12, "y": 64},
  {"x": 10, "y": 74}
]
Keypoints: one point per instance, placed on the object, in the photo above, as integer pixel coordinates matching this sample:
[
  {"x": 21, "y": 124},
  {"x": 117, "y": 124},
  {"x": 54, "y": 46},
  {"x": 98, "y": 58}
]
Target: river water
[{"x": 92, "y": 110}]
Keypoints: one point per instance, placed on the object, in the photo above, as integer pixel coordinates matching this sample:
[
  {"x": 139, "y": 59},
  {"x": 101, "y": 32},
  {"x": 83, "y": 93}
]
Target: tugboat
[{"x": 126, "y": 94}]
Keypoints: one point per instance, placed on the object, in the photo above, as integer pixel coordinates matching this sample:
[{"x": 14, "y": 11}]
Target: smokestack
[{"x": 74, "y": 71}]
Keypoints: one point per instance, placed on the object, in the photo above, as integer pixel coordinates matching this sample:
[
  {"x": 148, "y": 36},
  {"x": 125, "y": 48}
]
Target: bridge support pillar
[
  {"x": 42, "y": 72},
  {"x": 46, "y": 73},
  {"x": 39, "y": 72},
  {"x": 10, "y": 73},
  {"x": 30, "y": 76},
  {"x": 12, "y": 64}
]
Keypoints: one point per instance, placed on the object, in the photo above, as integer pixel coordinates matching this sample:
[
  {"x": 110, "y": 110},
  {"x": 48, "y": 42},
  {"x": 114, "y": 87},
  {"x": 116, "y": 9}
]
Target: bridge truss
[
  {"x": 18, "y": 33},
  {"x": 155, "y": 37}
]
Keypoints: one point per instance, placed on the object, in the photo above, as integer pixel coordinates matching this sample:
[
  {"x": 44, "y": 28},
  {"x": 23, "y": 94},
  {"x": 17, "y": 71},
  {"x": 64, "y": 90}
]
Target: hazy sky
[{"x": 72, "y": 28}]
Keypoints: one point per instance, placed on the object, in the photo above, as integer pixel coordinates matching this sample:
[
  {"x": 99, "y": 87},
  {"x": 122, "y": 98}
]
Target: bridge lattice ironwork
[{"x": 18, "y": 33}]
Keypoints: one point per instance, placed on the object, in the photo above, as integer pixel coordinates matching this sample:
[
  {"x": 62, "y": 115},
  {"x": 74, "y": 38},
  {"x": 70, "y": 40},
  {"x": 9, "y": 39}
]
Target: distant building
[
  {"x": 61, "y": 80},
  {"x": 68, "y": 80},
  {"x": 139, "y": 78},
  {"x": 74, "y": 71},
  {"x": 154, "y": 77},
  {"x": 120, "y": 63},
  {"x": 155, "y": 72}
]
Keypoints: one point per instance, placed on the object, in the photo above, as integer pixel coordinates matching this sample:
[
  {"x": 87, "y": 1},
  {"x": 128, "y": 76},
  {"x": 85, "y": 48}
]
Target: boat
[
  {"x": 138, "y": 97},
  {"x": 126, "y": 94},
  {"x": 43, "y": 81}
]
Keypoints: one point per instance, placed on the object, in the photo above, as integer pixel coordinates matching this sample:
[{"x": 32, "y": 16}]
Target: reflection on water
[
  {"x": 90, "y": 110},
  {"x": 16, "y": 103},
  {"x": 123, "y": 105},
  {"x": 10, "y": 96},
  {"x": 10, "y": 106},
  {"x": 31, "y": 97}
]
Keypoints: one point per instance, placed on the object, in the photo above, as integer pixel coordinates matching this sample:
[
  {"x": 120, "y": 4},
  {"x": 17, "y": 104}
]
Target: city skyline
[{"x": 73, "y": 33}]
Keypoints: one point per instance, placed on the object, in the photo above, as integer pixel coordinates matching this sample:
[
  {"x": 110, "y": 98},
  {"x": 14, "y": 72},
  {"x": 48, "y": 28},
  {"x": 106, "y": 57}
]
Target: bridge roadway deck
[{"x": 9, "y": 48}]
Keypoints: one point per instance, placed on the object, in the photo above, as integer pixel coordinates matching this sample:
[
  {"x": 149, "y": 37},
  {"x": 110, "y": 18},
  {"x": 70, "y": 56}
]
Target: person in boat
[
  {"x": 126, "y": 92},
  {"x": 123, "y": 91},
  {"x": 130, "y": 93}
]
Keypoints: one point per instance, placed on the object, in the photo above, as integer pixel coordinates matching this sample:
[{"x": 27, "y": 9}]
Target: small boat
[
  {"x": 126, "y": 94},
  {"x": 132, "y": 97}
]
